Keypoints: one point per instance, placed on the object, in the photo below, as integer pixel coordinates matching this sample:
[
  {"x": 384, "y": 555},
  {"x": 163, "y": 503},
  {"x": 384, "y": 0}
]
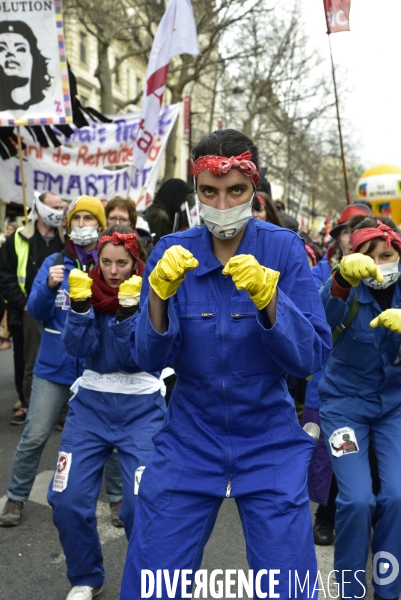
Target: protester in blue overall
[
  {"x": 55, "y": 370},
  {"x": 321, "y": 482},
  {"x": 361, "y": 404},
  {"x": 115, "y": 405},
  {"x": 233, "y": 307}
]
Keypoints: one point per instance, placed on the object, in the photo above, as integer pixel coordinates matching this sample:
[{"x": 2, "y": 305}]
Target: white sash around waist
[{"x": 119, "y": 383}]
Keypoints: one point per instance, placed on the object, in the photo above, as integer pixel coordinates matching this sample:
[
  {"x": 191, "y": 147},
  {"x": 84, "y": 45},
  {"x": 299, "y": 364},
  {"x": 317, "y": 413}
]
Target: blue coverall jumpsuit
[
  {"x": 97, "y": 422},
  {"x": 361, "y": 389},
  {"x": 231, "y": 427}
]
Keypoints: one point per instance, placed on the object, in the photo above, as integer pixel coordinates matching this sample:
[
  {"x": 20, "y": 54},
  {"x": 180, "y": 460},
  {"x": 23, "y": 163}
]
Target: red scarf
[{"x": 104, "y": 297}]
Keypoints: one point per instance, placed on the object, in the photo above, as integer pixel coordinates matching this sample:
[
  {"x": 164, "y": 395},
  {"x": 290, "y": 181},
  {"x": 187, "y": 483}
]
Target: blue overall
[
  {"x": 361, "y": 389},
  {"x": 231, "y": 429},
  {"x": 98, "y": 422}
]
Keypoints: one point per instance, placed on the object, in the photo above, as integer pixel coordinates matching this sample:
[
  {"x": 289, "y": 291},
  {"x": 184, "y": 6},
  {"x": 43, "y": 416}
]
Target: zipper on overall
[{"x": 226, "y": 419}]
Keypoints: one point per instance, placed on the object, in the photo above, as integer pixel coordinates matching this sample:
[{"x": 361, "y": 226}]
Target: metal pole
[
  {"x": 21, "y": 167},
  {"x": 339, "y": 126}
]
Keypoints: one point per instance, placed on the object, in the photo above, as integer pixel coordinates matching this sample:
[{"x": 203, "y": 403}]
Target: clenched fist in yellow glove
[
  {"x": 247, "y": 274},
  {"x": 355, "y": 267},
  {"x": 80, "y": 285},
  {"x": 390, "y": 318},
  {"x": 169, "y": 272},
  {"x": 129, "y": 291}
]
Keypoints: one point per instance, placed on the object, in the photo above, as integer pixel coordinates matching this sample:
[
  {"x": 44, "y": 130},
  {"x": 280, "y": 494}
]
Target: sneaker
[
  {"x": 11, "y": 515},
  {"x": 20, "y": 417},
  {"x": 114, "y": 510},
  {"x": 83, "y": 592},
  {"x": 17, "y": 405}
]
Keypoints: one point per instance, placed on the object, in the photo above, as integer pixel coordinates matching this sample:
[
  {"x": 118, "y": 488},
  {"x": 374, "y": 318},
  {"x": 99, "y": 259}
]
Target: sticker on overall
[
  {"x": 138, "y": 477},
  {"x": 343, "y": 441},
  {"x": 60, "y": 480},
  {"x": 62, "y": 300}
]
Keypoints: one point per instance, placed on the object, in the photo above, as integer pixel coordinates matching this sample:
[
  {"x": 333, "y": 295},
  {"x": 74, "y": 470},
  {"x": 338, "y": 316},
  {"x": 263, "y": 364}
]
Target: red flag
[{"x": 337, "y": 15}]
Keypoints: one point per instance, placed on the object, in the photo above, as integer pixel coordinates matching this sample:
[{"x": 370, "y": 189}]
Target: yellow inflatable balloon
[{"x": 381, "y": 185}]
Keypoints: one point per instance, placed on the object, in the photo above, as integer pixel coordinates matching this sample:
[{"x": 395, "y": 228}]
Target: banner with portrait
[
  {"x": 34, "y": 86},
  {"x": 96, "y": 160}
]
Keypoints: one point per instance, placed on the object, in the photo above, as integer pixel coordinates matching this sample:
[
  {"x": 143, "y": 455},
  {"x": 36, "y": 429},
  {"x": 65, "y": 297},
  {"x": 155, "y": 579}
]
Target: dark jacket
[{"x": 39, "y": 249}]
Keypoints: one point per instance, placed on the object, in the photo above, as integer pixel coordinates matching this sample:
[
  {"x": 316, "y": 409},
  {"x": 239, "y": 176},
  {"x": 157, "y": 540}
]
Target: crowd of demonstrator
[{"x": 252, "y": 328}]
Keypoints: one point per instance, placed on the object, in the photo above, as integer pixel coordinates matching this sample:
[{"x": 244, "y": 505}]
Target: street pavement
[{"x": 32, "y": 563}]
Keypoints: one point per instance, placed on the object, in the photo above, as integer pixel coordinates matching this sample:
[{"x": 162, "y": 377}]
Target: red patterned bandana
[
  {"x": 130, "y": 243},
  {"x": 219, "y": 165},
  {"x": 360, "y": 236}
]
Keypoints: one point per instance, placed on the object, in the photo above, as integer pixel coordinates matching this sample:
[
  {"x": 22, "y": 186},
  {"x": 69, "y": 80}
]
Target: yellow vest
[{"x": 22, "y": 252}]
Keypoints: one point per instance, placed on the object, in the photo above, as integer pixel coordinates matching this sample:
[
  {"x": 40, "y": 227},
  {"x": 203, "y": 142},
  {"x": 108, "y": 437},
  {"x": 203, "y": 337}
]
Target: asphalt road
[{"x": 31, "y": 559}]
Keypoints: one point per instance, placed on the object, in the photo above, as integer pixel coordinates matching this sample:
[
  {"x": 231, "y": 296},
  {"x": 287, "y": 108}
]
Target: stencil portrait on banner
[{"x": 33, "y": 69}]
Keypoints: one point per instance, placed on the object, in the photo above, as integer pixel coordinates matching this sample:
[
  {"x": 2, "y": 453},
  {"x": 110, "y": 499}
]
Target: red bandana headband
[
  {"x": 219, "y": 165},
  {"x": 130, "y": 243},
  {"x": 360, "y": 236}
]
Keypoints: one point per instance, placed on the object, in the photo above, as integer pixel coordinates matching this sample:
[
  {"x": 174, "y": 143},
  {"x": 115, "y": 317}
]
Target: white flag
[{"x": 176, "y": 34}]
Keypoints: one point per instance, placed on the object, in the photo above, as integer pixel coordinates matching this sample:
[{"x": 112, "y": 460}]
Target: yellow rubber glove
[
  {"x": 247, "y": 274},
  {"x": 129, "y": 291},
  {"x": 169, "y": 272},
  {"x": 355, "y": 267},
  {"x": 80, "y": 285},
  {"x": 390, "y": 318}
]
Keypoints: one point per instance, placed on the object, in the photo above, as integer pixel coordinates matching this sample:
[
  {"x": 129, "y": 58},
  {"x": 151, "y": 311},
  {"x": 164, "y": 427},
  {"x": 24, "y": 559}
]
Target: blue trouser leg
[
  {"x": 355, "y": 505},
  {"x": 112, "y": 478},
  {"x": 387, "y": 535},
  {"x": 47, "y": 400},
  {"x": 280, "y": 541},
  {"x": 74, "y": 508},
  {"x": 171, "y": 538}
]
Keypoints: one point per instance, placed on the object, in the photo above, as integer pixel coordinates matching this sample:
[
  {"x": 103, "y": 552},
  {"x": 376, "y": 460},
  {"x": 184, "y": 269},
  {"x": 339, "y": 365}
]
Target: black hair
[
  {"x": 226, "y": 142},
  {"x": 372, "y": 222},
  {"x": 272, "y": 214},
  {"x": 40, "y": 78}
]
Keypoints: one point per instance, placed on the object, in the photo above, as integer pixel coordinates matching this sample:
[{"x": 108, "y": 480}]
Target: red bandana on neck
[{"x": 219, "y": 165}]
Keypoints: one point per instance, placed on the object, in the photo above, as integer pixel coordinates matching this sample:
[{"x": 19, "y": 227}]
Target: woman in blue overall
[
  {"x": 360, "y": 394},
  {"x": 116, "y": 405},
  {"x": 233, "y": 307},
  {"x": 55, "y": 370}
]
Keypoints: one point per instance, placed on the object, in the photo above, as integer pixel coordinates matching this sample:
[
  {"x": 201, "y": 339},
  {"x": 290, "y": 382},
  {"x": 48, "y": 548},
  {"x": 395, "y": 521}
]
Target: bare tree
[{"x": 134, "y": 23}]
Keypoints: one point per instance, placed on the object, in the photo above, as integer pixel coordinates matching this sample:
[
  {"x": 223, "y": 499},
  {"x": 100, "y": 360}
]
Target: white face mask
[
  {"x": 225, "y": 224},
  {"x": 50, "y": 216},
  {"x": 83, "y": 236},
  {"x": 390, "y": 273}
]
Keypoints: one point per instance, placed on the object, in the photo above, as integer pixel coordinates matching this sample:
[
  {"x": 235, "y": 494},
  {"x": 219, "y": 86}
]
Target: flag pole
[
  {"x": 21, "y": 168},
  {"x": 339, "y": 126}
]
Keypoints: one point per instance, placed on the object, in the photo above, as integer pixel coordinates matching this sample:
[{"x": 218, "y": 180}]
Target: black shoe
[
  {"x": 377, "y": 597},
  {"x": 20, "y": 417},
  {"x": 323, "y": 535}
]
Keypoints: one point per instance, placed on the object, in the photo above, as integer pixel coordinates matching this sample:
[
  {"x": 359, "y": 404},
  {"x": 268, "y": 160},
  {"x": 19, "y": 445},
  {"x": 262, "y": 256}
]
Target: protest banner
[
  {"x": 94, "y": 161},
  {"x": 34, "y": 86}
]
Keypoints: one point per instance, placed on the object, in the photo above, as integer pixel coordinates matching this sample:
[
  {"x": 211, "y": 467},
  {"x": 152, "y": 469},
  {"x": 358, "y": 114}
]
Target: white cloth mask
[
  {"x": 50, "y": 216},
  {"x": 390, "y": 273},
  {"x": 225, "y": 224},
  {"x": 83, "y": 236}
]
